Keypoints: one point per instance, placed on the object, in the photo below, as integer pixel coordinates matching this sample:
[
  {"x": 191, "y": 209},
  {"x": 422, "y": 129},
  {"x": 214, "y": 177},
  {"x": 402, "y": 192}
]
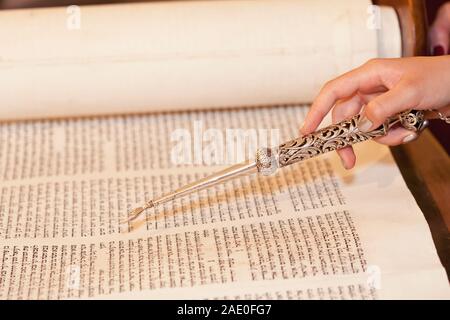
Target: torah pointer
[{"x": 268, "y": 160}]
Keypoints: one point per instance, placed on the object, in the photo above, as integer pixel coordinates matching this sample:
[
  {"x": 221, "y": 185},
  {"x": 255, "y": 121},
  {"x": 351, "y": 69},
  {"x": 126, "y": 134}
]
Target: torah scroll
[{"x": 183, "y": 55}]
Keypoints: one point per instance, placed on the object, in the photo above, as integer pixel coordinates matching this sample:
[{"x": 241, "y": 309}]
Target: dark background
[{"x": 439, "y": 128}]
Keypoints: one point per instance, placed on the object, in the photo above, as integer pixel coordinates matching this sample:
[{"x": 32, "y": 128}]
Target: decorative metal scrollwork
[
  {"x": 343, "y": 134},
  {"x": 413, "y": 120},
  {"x": 266, "y": 161},
  {"x": 334, "y": 137}
]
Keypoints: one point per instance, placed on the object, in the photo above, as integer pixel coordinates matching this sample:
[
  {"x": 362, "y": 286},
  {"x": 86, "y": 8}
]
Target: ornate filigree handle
[
  {"x": 334, "y": 137},
  {"x": 341, "y": 135}
]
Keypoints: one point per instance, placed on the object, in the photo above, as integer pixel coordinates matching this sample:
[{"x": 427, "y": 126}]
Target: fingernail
[
  {"x": 344, "y": 164},
  {"x": 302, "y": 126},
  {"x": 410, "y": 137},
  {"x": 438, "y": 51},
  {"x": 303, "y": 130},
  {"x": 364, "y": 124}
]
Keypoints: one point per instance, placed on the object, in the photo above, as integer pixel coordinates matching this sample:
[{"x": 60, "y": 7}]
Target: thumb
[{"x": 378, "y": 110}]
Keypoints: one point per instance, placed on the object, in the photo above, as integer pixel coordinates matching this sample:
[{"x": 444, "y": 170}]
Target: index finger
[{"x": 363, "y": 78}]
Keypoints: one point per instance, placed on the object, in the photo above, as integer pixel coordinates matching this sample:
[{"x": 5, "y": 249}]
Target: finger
[
  {"x": 397, "y": 136},
  {"x": 367, "y": 97},
  {"x": 348, "y": 157},
  {"x": 362, "y": 78},
  {"x": 399, "y": 98},
  {"x": 440, "y": 31},
  {"x": 345, "y": 109}
]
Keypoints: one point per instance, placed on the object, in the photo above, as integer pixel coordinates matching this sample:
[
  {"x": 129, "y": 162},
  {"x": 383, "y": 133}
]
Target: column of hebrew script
[
  {"x": 309, "y": 231},
  {"x": 355, "y": 291},
  {"x": 90, "y": 207},
  {"x": 81, "y": 167},
  {"x": 260, "y": 251}
]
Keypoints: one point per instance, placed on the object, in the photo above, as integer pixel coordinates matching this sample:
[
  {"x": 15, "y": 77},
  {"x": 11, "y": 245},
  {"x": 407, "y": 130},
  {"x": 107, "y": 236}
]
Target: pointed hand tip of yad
[{"x": 135, "y": 213}]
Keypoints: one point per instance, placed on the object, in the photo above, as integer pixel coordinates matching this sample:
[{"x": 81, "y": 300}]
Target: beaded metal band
[{"x": 441, "y": 116}]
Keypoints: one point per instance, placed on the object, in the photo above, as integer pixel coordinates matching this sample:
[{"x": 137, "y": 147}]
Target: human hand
[{"x": 384, "y": 87}]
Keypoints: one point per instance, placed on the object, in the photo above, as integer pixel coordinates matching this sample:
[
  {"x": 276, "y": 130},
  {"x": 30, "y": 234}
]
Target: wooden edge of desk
[{"x": 424, "y": 165}]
